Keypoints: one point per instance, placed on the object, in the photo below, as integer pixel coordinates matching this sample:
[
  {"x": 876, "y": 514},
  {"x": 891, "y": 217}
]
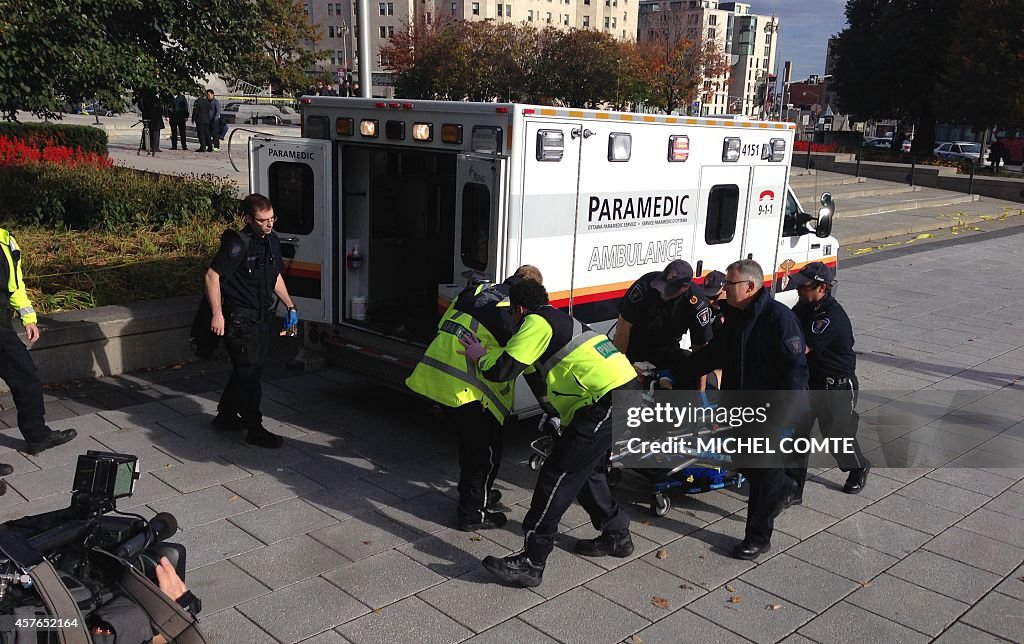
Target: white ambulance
[{"x": 386, "y": 207}]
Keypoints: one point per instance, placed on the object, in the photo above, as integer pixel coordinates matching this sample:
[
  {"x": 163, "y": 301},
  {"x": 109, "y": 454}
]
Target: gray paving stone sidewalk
[{"x": 345, "y": 534}]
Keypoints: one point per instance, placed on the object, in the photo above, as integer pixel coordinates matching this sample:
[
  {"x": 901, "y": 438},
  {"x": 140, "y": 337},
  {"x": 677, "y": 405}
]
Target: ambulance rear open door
[
  {"x": 296, "y": 176},
  {"x": 479, "y": 215}
]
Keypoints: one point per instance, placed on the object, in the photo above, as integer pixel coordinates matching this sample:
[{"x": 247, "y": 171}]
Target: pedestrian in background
[
  {"x": 215, "y": 114},
  {"x": 201, "y": 119},
  {"x": 153, "y": 114},
  {"x": 178, "y": 117}
]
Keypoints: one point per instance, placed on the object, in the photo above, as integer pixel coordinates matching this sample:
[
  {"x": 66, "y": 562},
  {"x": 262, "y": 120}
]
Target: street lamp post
[
  {"x": 771, "y": 28},
  {"x": 344, "y": 46}
]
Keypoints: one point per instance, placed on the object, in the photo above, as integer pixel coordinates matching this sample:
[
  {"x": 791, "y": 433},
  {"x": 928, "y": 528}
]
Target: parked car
[
  {"x": 262, "y": 114},
  {"x": 959, "y": 151},
  {"x": 878, "y": 143}
]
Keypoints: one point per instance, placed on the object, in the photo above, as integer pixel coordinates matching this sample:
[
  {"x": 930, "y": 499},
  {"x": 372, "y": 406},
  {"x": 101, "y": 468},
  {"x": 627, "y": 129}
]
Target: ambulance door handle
[{"x": 577, "y": 132}]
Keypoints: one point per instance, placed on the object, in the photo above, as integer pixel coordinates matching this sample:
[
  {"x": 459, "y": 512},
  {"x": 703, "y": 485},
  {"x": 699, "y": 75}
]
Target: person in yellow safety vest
[
  {"x": 16, "y": 366},
  {"x": 475, "y": 407},
  {"x": 581, "y": 370}
]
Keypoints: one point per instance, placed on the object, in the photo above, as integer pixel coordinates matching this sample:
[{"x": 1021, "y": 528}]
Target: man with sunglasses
[
  {"x": 832, "y": 363},
  {"x": 760, "y": 349},
  {"x": 240, "y": 285}
]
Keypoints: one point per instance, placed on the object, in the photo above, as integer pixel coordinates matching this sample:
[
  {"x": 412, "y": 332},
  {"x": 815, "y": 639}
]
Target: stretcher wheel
[
  {"x": 614, "y": 476},
  {"x": 536, "y": 461},
  {"x": 660, "y": 505}
]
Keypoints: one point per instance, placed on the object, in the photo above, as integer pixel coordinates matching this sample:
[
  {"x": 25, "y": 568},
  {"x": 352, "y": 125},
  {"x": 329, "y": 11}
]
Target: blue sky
[{"x": 804, "y": 29}]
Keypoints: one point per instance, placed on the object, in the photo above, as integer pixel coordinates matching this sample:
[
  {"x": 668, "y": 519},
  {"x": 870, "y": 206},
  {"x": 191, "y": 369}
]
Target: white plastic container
[{"x": 358, "y": 307}]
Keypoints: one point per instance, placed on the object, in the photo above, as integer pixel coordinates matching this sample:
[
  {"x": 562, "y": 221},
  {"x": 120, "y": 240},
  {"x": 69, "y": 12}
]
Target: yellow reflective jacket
[
  {"x": 579, "y": 366},
  {"x": 15, "y": 283},
  {"x": 444, "y": 375}
]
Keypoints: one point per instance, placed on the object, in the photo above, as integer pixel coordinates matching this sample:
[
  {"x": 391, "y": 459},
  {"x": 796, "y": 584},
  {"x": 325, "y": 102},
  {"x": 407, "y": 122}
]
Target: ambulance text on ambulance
[
  {"x": 618, "y": 209},
  {"x": 657, "y": 253}
]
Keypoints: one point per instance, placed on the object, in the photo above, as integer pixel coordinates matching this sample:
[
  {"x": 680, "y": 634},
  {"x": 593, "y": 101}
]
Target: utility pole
[{"x": 365, "y": 77}]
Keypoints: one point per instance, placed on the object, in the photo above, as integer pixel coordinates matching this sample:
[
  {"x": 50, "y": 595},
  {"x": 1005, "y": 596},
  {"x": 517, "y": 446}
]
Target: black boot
[
  {"x": 489, "y": 521},
  {"x": 614, "y": 544},
  {"x": 516, "y": 570},
  {"x": 857, "y": 478},
  {"x": 261, "y": 437},
  {"x": 227, "y": 421},
  {"x": 493, "y": 499},
  {"x": 748, "y": 550},
  {"x": 53, "y": 439}
]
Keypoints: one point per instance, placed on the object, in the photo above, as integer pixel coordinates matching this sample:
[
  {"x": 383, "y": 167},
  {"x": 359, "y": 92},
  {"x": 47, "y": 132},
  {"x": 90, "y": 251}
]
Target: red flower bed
[
  {"x": 22, "y": 152},
  {"x": 801, "y": 146}
]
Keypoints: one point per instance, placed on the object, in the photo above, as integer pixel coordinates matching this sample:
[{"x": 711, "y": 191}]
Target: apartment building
[
  {"x": 748, "y": 40},
  {"x": 340, "y": 33}
]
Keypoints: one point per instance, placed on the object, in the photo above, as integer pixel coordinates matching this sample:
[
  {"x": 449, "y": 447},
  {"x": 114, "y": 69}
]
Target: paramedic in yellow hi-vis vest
[
  {"x": 581, "y": 369},
  {"x": 476, "y": 408},
  {"x": 16, "y": 366}
]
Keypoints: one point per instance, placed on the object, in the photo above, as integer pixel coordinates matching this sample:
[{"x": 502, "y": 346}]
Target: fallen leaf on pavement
[
  {"x": 735, "y": 599},
  {"x": 865, "y": 584},
  {"x": 366, "y": 543},
  {"x": 662, "y": 554},
  {"x": 635, "y": 640},
  {"x": 232, "y": 498},
  {"x": 645, "y": 522},
  {"x": 377, "y": 610},
  {"x": 774, "y": 607},
  {"x": 476, "y": 537},
  {"x": 660, "y": 602},
  {"x": 686, "y": 586},
  {"x": 730, "y": 588}
]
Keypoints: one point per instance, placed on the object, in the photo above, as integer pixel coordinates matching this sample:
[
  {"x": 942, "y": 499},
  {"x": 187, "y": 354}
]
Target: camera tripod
[{"x": 144, "y": 139}]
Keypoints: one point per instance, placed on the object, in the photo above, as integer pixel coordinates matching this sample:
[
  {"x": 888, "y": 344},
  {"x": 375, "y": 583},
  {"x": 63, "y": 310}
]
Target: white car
[{"x": 960, "y": 150}]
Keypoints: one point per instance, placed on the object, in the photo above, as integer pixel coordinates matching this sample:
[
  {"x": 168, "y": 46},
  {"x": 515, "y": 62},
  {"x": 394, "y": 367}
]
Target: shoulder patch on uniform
[
  {"x": 234, "y": 248},
  {"x": 693, "y": 299},
  {"x": 636, "y": 293},
  {"x": 819, "y": 326},
  {"x": 795, "y": 344},
  {"x": 704, "y": 316}
]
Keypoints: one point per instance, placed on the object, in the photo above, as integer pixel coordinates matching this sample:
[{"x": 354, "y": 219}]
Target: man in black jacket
[
  {"x": 178, "y": 116},
  {"x": 760, "y": 348},
  {"x": 201, "y": 119}
]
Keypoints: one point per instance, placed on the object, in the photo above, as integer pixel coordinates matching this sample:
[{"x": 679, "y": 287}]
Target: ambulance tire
[
  {"x": 660, "y": 505},
  {"x": 536, "y": 462}
]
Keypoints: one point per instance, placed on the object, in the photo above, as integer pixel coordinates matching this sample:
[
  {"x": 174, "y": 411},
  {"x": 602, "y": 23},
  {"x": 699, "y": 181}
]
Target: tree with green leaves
[
  {"x": 286, "y": 48},
  {"x": 984, "y": 85},
  {"x": 109, "y": 48},
  {"x": 889, "y": 59}
]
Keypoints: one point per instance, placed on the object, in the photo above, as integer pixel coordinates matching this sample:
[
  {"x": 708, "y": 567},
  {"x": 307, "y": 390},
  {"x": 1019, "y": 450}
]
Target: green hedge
[
  {"x": 90, "y": 139},
  {"x": 107, "y": 198}
]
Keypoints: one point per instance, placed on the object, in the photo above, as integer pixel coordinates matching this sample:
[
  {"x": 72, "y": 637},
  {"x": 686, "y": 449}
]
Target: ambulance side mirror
[{"x": 823, "y": 226}]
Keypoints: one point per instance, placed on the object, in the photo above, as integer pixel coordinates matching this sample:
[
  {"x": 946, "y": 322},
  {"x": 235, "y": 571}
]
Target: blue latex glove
[{"x": 291, "y": 319}]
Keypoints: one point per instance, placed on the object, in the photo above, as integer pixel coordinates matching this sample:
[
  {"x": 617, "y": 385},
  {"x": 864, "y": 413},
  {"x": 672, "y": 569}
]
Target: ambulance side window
[
  {"x": 723, "y": 205},
  {"x": 476, "y": 225},
  {"x": 291, "y": 192},
  {"x": 790, "y": 221}
]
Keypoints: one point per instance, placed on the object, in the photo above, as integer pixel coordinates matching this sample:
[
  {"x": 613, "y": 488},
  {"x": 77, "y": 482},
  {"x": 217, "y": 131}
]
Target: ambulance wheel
[
  {"x": 536, "y": 461},
  {"x": 660, "y": 505},
  {"x": 614, "y": 476}
]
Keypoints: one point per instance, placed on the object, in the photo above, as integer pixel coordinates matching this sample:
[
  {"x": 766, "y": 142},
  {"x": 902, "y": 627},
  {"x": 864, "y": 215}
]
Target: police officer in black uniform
[
  {"x": 246, "y": 274},
  {"x": 833, "y": 383},
  {"x": 655, "y": 313}
]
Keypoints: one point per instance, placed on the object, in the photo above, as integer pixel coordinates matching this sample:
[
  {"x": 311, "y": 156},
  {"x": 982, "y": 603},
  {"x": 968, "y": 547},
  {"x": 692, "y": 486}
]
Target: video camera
[{"x": 89, "y": 542}]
